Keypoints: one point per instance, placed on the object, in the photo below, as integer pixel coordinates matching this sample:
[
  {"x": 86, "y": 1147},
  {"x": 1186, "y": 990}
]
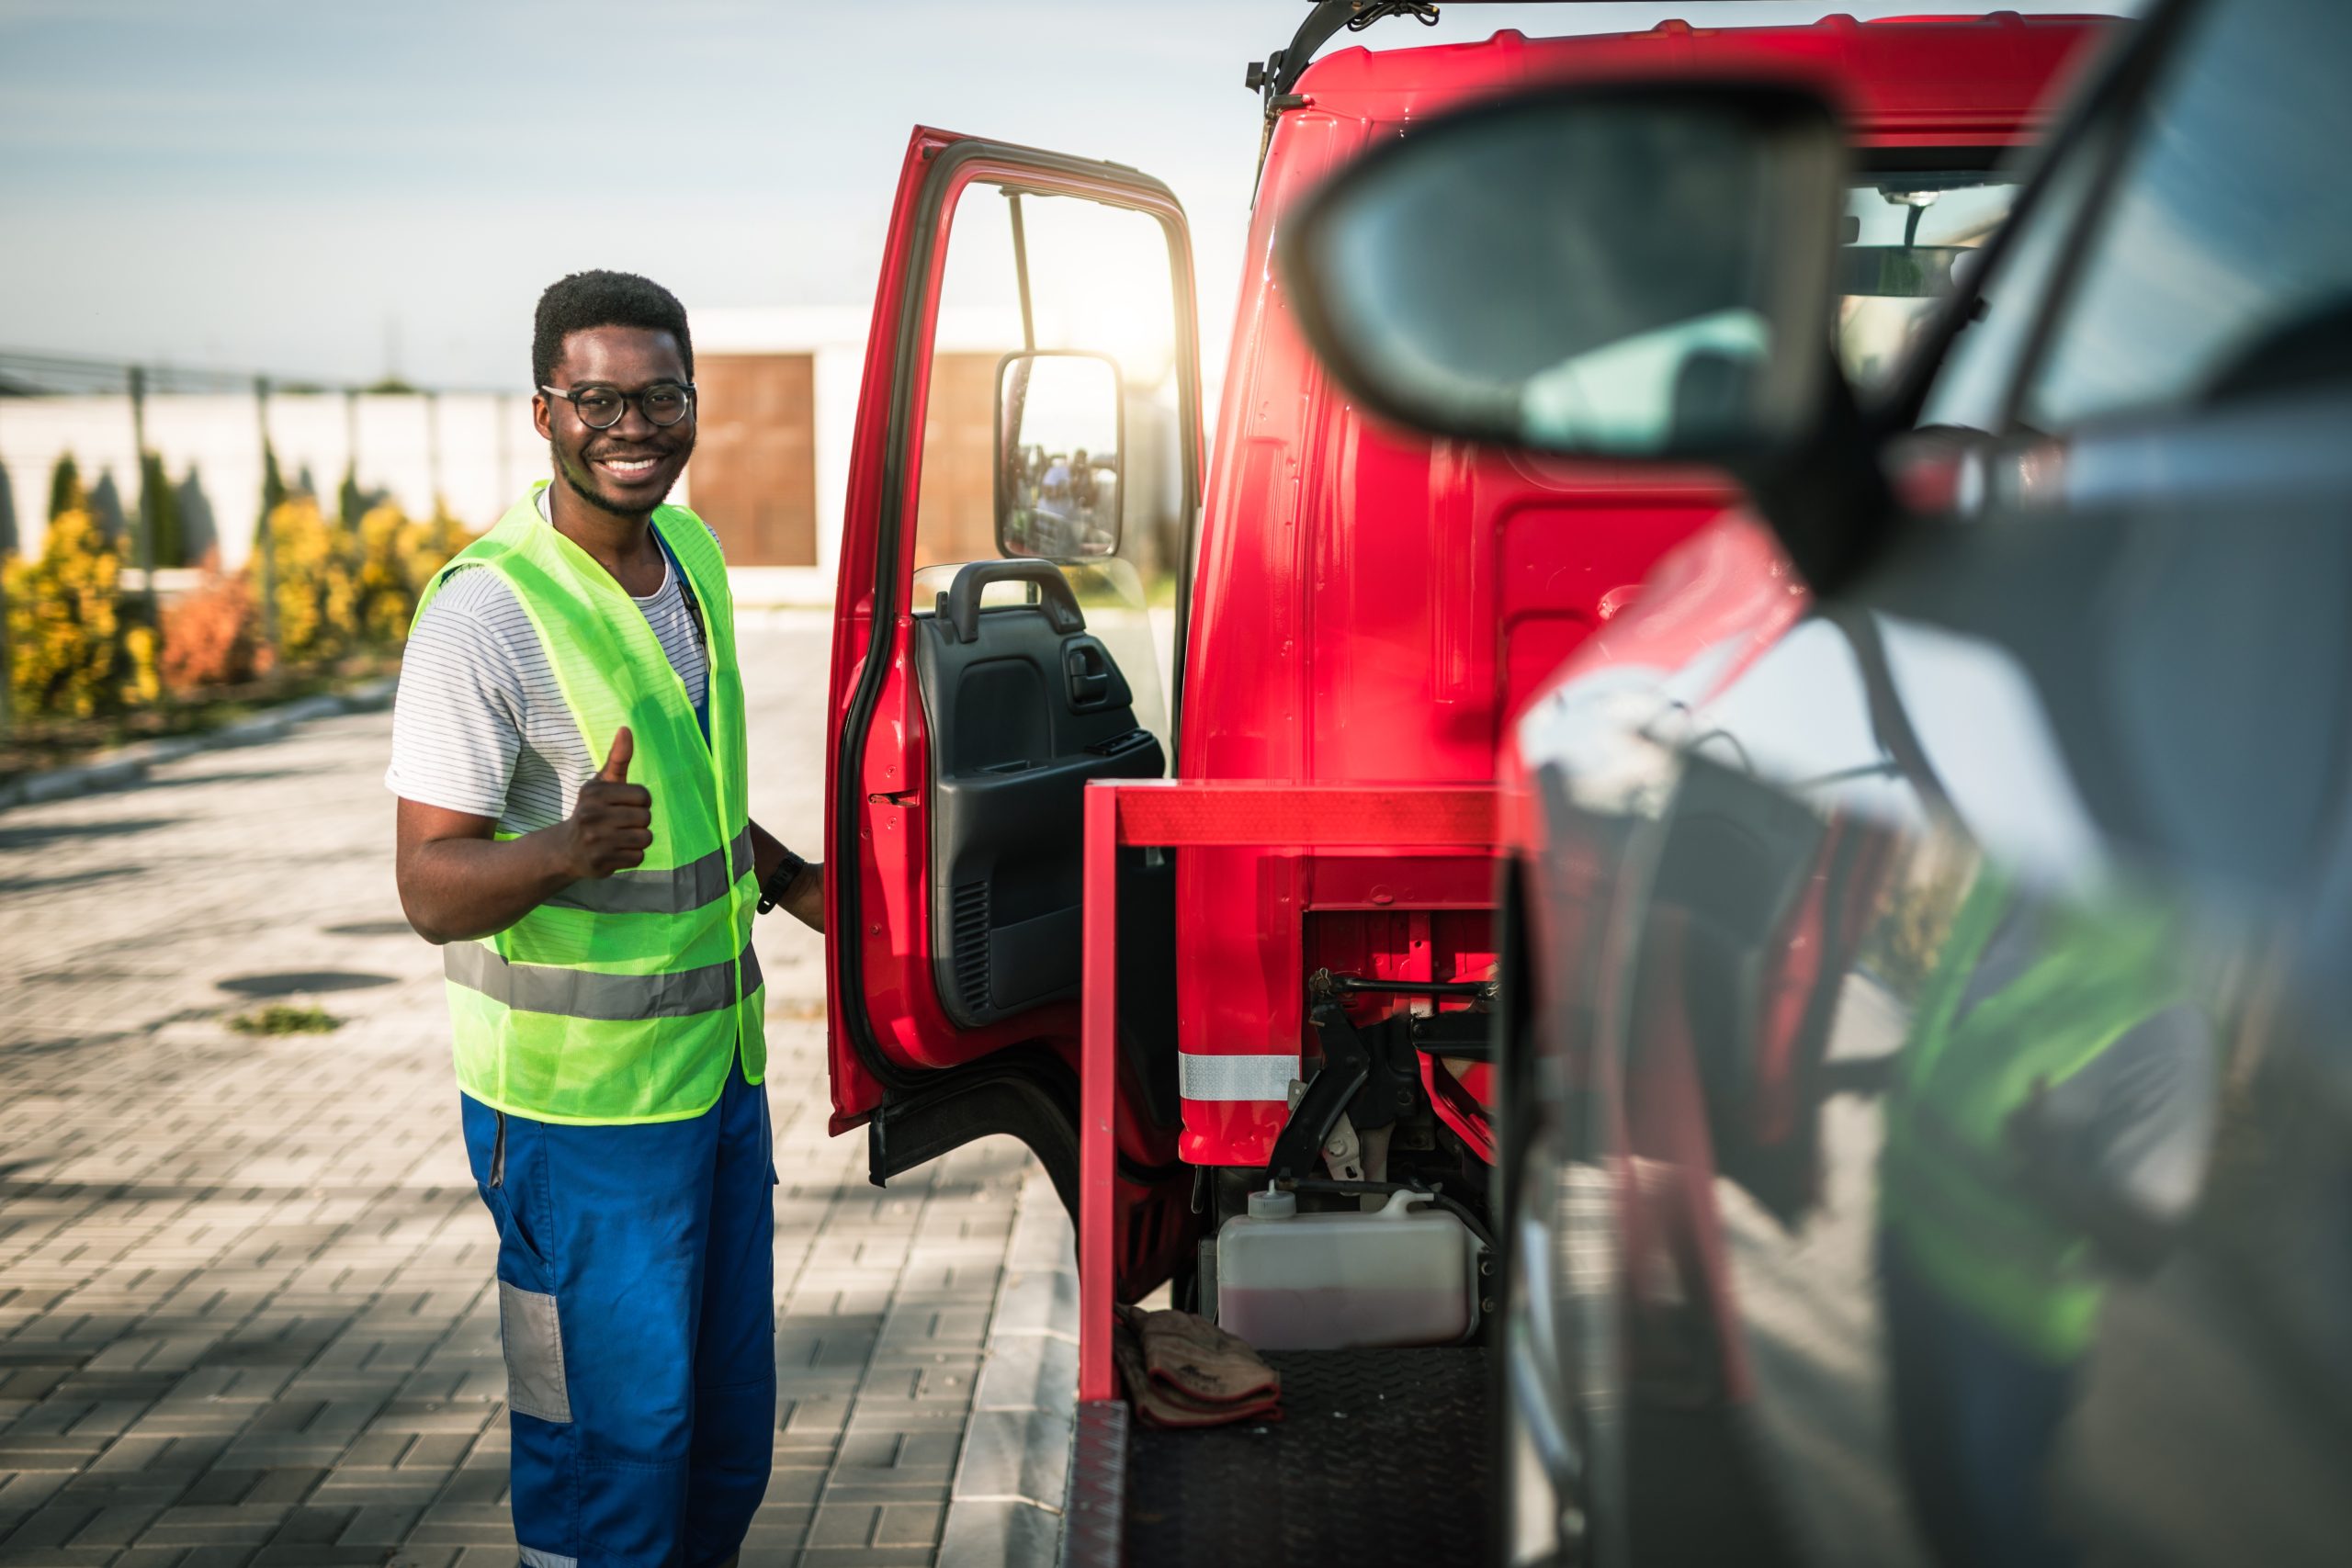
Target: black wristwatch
[{"x": 779, "y": 883}]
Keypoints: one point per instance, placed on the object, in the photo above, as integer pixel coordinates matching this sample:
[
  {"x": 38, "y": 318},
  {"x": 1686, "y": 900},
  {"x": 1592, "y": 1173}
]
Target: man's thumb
[{"x": 615, "y": 768}]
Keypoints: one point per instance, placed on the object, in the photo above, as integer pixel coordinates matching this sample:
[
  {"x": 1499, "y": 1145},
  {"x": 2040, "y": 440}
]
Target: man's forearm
[{"x": 457, "y": 889}]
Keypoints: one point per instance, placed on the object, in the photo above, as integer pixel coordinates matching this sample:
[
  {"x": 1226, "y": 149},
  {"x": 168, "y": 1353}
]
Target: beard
[
  {"x": 586, "y": 490},
  {"x": 589, "y": 493}
]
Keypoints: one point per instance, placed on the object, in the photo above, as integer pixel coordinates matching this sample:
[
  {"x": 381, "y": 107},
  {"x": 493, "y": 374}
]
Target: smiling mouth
[{"x": 627, "y": 467}]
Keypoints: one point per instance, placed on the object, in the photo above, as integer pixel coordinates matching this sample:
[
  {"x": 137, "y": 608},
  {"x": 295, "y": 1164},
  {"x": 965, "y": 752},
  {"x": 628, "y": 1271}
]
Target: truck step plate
[{"x": 1381, "y": 1457}]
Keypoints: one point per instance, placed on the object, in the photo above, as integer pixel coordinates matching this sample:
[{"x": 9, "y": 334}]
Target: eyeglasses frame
[{"x": 573, "y": 395}]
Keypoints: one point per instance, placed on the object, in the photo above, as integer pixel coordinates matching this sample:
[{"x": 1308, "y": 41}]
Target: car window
[{"x": 2223, "y": 262}]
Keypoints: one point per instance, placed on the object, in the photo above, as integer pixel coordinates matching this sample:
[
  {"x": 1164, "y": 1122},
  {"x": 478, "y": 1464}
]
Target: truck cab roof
[{"x": 1926, "y": 79}]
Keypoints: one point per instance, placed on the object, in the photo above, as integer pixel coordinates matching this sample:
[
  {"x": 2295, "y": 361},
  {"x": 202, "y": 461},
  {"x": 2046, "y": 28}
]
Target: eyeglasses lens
[
  {"x": 599, "y": 411},
  {"x": 663, "y": 405}
]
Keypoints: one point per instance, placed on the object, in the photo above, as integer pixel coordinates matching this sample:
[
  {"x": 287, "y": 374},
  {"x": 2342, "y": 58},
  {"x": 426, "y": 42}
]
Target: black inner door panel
[{"x": 1024, "y": 707}]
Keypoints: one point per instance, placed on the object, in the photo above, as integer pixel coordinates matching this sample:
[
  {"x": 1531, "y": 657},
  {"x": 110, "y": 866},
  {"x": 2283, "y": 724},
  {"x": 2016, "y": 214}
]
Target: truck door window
[
  {"x": 1979, "y": 372},
  {"x": 1100, "y": 454},
  {"x": 1909, "y": 234},
  {"x": 1097, "y": 283},
  {"x": 2223, "y": 262}
]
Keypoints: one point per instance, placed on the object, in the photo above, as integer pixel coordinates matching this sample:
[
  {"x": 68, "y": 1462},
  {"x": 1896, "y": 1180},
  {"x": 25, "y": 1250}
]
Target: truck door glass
[
  {"x": 1910, "y": 235},
  {"x": 1979, "y": 372},
  {"x": 1098, "y": 284}
]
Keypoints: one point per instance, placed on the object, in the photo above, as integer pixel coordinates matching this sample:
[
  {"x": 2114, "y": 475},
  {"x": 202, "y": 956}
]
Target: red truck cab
[{"x": 1348, "y": 603}]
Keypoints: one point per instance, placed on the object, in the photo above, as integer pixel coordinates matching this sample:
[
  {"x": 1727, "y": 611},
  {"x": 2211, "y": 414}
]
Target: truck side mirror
[
  {"x": 1061, "y": 449},
  {"x": 1623, "y": 270}
]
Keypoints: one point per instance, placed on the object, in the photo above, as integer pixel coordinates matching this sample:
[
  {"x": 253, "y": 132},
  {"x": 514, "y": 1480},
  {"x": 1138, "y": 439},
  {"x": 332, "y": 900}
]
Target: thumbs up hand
[{"x": 611, "y": 822}]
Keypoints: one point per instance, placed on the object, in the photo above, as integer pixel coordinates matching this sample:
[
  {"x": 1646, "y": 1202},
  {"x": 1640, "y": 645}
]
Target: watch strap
[{"x": 778, "y": 886}]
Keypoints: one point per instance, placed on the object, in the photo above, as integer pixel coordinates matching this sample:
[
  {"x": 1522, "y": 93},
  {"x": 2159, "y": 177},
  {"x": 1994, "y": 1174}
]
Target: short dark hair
[{"x": 601, "y": 299}]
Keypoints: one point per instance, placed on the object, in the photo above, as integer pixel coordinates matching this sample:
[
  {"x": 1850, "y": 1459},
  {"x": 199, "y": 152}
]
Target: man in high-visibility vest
[
  {"x": 2049, "y": 1123},
  {"x": 568, "y": 749}
]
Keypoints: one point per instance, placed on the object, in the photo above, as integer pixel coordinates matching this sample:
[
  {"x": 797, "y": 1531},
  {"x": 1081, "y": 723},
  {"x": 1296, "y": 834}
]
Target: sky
[{"x": 336, "y": 190}]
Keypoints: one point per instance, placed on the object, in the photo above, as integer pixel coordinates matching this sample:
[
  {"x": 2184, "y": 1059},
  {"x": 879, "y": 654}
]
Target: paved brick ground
[{"x": 244, "y": 1303}]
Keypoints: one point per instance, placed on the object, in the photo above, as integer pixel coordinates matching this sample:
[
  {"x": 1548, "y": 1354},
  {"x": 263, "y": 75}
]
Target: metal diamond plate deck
[{"x": 1381, "y": 1457}]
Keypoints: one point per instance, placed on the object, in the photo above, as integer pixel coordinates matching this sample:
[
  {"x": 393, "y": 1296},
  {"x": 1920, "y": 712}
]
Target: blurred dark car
[{"x": 1927, "y": 1069}]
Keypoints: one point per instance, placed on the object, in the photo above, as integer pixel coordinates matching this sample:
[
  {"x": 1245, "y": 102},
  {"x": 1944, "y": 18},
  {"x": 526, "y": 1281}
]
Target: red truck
[{"x": 1355, "y": 613}]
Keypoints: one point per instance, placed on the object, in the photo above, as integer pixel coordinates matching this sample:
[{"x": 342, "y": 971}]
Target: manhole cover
[
  {"x": 310, "y": 981},
  {"x": 372, "y": 928}
]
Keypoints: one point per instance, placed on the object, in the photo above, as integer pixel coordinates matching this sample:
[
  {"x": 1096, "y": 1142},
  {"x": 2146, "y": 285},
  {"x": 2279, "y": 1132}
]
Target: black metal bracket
[
  {"x": 1347, "y": 1067},
  {"x": 1275, "y": 76},
  {"x": 1467, "y": 1035},
  {"x": 1373, "y": 1074},
  {"x": 1323, "y": 985}
]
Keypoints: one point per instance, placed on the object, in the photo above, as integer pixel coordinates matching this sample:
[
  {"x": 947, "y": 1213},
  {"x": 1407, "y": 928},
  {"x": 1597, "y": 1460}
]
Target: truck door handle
[{"x": 1089, "y": 674}]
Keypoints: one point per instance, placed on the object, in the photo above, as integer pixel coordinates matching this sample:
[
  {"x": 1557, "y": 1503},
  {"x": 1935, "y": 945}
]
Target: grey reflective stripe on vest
[
  {"x": 582, "y": 993},
  {"x": 671, "y": 892}
]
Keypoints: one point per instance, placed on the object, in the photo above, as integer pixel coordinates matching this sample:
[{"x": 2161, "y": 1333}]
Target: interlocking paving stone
[{"x": 246, "y": 1305}]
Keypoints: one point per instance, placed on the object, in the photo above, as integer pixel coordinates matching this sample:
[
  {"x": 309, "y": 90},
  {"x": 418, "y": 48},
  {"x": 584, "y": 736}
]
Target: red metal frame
[{"x": 1198, "y": 813}]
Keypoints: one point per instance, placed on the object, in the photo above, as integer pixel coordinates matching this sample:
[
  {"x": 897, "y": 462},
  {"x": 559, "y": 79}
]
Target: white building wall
[{"x": 489, "y": 452}]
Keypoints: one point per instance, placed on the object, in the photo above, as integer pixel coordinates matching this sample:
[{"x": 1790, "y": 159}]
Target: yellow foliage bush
[
  {"x": 1908, "y": 938},
  {"x": 317, "y": 593},
  {"x": 71, "y": 653},
  {"x": 398, "y": 556}
]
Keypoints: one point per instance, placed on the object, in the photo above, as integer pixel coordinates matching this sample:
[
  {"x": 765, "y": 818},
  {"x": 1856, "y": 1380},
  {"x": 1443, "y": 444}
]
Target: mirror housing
[
  {"x": 1631, "y": 270},
  {"x": 1060, "y": 454}
]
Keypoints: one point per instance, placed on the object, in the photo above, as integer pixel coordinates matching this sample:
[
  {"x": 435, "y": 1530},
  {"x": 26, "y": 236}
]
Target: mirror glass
[
  {"x": 1634, "y": 271},
  {"x": 1058, "y": 422}
]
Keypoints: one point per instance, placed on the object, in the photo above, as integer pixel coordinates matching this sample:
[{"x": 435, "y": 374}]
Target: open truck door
[{"x": 1026, "y": 465}]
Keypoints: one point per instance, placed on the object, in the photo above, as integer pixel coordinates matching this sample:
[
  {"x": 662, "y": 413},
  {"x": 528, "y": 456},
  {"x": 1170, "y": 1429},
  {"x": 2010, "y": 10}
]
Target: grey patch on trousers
[
  {"x": 533, "y": 1342},
  {"x": 534, "y": 1558}
]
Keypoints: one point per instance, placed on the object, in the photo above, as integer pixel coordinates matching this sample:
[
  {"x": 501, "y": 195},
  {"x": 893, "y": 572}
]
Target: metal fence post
[
  {"x": 264, "y": 542},
  {"x": 146, "y": 537}
]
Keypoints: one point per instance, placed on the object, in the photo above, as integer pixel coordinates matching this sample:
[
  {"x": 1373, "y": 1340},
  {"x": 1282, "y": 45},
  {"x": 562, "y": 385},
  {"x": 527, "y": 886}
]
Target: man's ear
[{"x": 542, "y": 416}]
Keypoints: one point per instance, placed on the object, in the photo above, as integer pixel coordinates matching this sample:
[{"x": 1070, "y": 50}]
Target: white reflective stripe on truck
[{"x": 1236, "y": 1078}]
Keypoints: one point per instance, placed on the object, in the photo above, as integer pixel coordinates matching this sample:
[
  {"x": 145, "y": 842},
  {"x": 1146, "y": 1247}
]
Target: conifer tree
[
  {"x": 162, "y": 511},
  {"x": 65, "y": 488}
]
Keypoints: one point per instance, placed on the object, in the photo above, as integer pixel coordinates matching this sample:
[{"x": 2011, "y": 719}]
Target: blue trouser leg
[
  {"x": 734, "y": 1441},
  {"x": 637, "y": 1307}
]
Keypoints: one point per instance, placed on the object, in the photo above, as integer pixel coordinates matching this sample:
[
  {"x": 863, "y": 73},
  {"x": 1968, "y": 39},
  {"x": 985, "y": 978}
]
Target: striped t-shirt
[{"x": 479, "y": 725}]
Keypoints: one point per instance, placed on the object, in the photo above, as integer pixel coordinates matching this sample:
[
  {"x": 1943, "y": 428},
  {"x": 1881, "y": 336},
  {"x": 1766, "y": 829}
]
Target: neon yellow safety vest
[
  {"x": 623, "y": 998},
  {"x": 1952, "y": 1186}
]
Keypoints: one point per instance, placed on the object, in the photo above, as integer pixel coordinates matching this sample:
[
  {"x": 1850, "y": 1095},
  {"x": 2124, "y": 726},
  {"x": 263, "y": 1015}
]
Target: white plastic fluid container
[{"x": 1400, "y": 1275}]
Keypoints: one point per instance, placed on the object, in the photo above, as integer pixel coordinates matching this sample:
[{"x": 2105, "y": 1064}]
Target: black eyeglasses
[{"x": 600, "y": 408}]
